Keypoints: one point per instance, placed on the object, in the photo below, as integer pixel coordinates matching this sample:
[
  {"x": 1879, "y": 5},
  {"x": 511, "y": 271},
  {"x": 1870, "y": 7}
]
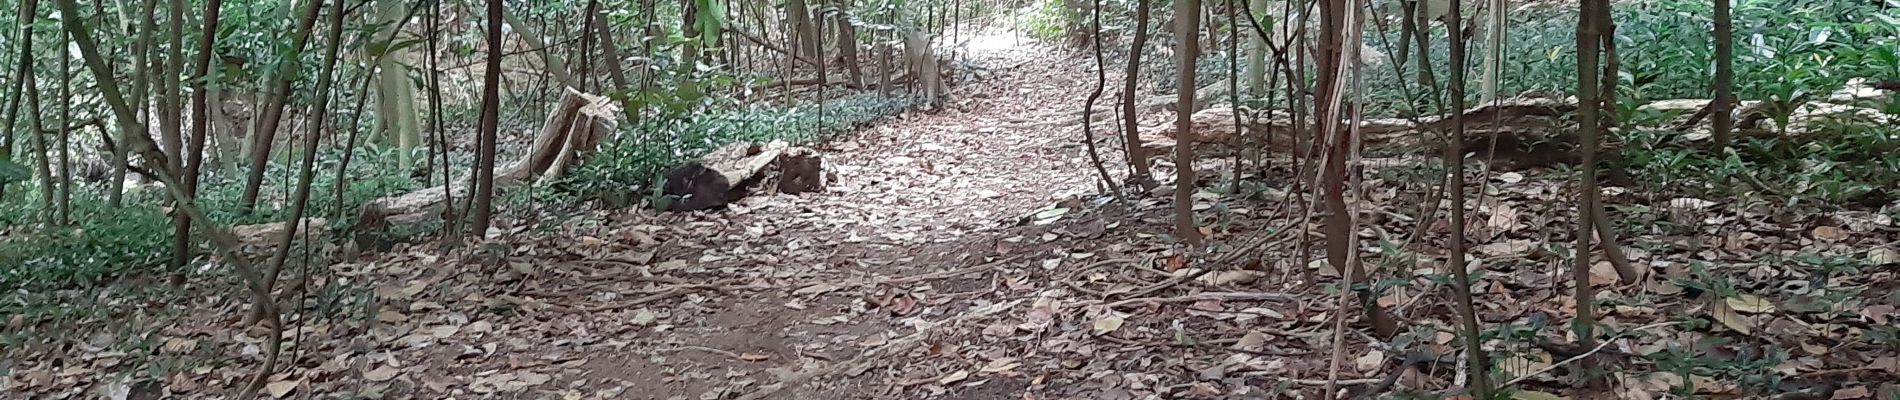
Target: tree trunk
[
  {"x": 848, "y": 50},
  {"x": 1455, "y": 189},
  {"x": 265, "y": 132},
  {"x": 1256, "y": 54},
  {"x": 141, "y": 94},
  {"x": 1095, "y": 93},
  {"x": 1721, "y": 114},
  {"x": 1493, "y": 51},
  {"x": 1588, "y": 40},
  {"x": 396, "y": 110},
  {"x": 33, "y": 110},
  {"x": 65, "y": 215},
  {"x": 171, "y": 114},
  {"x": 300, "y": 197},
  {"x": 1137, "y": 155},
  {"x": 609, "y": 52},
  {"x": 200, "y": 132},
  {"x": 1327, "y": 96},
  {"x": 483, "y": 208},
  {"x": 1187, "y": 17}
]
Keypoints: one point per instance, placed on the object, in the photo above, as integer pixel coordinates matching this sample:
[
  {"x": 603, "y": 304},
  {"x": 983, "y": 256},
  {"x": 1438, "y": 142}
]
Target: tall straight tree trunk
[
  {"x": 1327, "y": 96},
  {"x": 483, "y": 208},
  {"x": 1721, "y": 119},
  {"x": 265, "y": 132},
  {"x": 1493, "y": 50},
  {"x": 848, "y": 50},
  {"x": 1257, "y": 53},
  {"x": 1455, "y": 187},
  {"x": 1588, "y": 40},
  {"x": 38, "y": 115},
  {"x": 200, "y": 133},
  {"x": 1137, "y": 156},
  {"x": 16, "y": 86},
  {"x": 65, "y": 132},
  {"x": 1187, "y": 16},
  {"x": 169, "y": 120}
]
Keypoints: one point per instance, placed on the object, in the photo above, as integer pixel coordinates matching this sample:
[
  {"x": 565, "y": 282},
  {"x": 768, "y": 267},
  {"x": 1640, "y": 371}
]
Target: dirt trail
[{"x": 922, "y": 193}]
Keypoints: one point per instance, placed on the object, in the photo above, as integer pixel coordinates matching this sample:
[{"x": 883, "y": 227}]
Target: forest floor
[{"x": 965, "y": 253}]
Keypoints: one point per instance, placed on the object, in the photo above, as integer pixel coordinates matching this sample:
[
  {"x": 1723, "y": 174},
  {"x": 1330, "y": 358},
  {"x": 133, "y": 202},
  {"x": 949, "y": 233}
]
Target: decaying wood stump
[
  {"x": 573, "y": 131},
  {"x": 726, "y": 174},
  {"x": 800, "y": 171}
]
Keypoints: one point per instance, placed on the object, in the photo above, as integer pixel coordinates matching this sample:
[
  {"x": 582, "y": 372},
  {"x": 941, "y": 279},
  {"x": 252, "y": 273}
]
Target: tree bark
[
  {"x": 848, "y": 50},
  {"x": 1721, "y": 111},
  {"x": 609, "y": 52},
  {"x": 1095, "y": 93},
  {"x": 1588, "y": 40},
  {"x": 200, "y": 133},
  {"x": 1137, "y": 155},
  {"x": 65, "y": 215},
  {"x": 483, "y": 208},
  {"x": 265, "y": 132},
  {"x": 1187, "y": 17},
  {"x": 1455, "y": 189},
  {"x": 1327, "y": 96}
]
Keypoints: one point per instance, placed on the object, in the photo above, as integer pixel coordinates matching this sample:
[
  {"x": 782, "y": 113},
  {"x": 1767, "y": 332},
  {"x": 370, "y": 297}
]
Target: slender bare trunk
[
  {"x": 1187, "y": 18},
  {"x": 1588, "y": 40},
  {"x": 200, "y": 133},
  {"x": 265, "y": 132},
  {"x": 484, "y": 193},
  {"x": 1137, "y": 155},
  {"x": 1455, "y": 188},
  {"x": 1721, "y": 119}
]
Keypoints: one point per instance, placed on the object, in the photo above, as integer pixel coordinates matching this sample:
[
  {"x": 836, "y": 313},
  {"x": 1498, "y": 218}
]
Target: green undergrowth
[
  {"x": 1833, "y": 166},
  {"x": 105, "y": 242},
  {"x": 629, "y": 163}
]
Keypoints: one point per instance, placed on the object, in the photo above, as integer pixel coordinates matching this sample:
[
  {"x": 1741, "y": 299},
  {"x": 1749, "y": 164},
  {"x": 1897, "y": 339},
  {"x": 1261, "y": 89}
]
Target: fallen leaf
[
  {"x": 279, "y": 389},
  {"x": 532, "y": 379},
  {"x": 179, "y": 346},
  {"x": 1511, "y": 177},
  {"x": 1224, "y": 278},
  {"x": 1720, "y": 311},
  {"x": 1001, "y": 365},
  {"x": 1856, "y": 392},
  {"x": 953, "y": 377},
  {"x": 1107, "y": 324},
  {"x": 1371, "y": 361},
  {"x": 1829, "y": 233},
  {"x": 382, "y": 373},
  {"x": 816, "y": 289},
  {"x": 1750, "y": 304},
  {"x": 1534, "y": 395},
  {"x": 1883, "y": 256},
  {"x": 643, "y": 317}
]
